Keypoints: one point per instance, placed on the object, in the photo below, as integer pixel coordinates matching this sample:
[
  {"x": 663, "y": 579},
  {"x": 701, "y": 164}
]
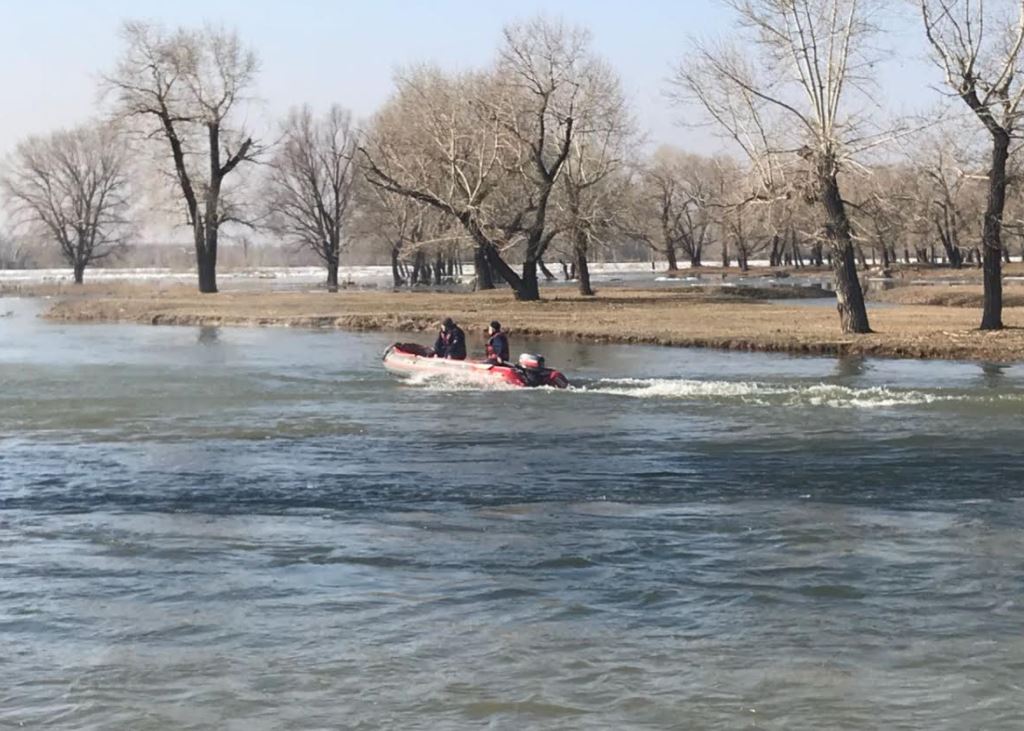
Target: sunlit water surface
[{"x": 260, "y": 529}]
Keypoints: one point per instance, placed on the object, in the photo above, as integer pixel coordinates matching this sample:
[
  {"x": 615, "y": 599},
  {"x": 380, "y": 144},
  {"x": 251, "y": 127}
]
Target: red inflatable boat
[{"x": 407, "y": 359}]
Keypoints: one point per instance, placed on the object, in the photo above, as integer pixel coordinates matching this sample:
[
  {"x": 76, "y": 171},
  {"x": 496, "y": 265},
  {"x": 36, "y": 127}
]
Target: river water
[{"x": 260, "y": 529}]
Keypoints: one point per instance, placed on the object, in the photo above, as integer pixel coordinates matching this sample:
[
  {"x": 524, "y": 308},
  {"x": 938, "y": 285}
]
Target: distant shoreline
[{"x": 709, "y": 317}]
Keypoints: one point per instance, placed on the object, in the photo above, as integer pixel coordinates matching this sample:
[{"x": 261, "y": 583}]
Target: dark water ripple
[{"x": 256, "y": 529}]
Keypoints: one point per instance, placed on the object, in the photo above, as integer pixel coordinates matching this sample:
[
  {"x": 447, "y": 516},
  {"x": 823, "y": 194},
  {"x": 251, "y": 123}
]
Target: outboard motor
[
  {"x": 531, "y": 367},
  {"x": 531, "y": 362}
]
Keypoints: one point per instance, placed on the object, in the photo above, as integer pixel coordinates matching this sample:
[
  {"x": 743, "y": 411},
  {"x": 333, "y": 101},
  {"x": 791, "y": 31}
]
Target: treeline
[{"x": 533, "y": 165}]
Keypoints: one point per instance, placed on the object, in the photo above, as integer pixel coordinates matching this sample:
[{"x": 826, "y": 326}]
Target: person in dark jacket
[
  {"x": 451, "y": 341},
  {"x": 497, "y": 344}
]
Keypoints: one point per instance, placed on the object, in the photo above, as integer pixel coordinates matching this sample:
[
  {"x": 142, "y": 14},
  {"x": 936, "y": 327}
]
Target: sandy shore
[{"x": 715, "y": 318}]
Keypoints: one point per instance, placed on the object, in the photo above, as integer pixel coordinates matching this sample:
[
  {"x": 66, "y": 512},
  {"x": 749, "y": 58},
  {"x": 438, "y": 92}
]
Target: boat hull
[{"x": 408, "y": 359}]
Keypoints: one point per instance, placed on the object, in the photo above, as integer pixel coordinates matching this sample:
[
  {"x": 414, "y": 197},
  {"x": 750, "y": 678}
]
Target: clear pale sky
[{"x": 53, "y": 51}]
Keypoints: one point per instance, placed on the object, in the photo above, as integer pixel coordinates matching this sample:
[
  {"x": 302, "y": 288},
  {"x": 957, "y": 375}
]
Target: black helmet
[
  {"x": 495, "y": 325},
  {"x": 448, "y": 323}
]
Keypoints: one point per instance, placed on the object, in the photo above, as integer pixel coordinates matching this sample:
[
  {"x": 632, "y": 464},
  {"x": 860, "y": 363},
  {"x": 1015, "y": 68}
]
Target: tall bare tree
[
  {"x": 788, "y": 106},
  {"x": 888, "y": 211},
  {"x": 389, "y": 220},
  {"x": 670, "y": 206},
  {"x": 546, "y": 70},
  {"x": 978, "y": 46},
  {"x": 946, "y": 179},
  {"x": 72, "y": 187},
  {"x": 488, "y": 148},
  {"x": 311, "y": 183},
  {"x": 433, "y": 143},
  {"x": 187, "y": 88},
  {"x": 591, "y": 191}
]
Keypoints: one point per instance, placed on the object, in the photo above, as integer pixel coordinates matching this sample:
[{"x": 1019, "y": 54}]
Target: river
[{"x": 260, "y": 529}]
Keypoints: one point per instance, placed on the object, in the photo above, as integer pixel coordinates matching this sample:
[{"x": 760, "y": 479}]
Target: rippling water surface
[{"x": 260, "y": 529}]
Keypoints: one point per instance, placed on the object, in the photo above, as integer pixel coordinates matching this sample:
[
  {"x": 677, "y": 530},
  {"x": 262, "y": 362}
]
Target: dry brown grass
[
  {"x": 952, "y": 295},
  {"x": 110, "y": 288},
  {"x": 716, "y": 318}
]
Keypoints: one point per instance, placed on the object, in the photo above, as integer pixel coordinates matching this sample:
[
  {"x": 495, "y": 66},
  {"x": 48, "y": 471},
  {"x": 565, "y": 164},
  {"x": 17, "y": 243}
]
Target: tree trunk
[
  {"x": 332, "y": 275},
  {"x": 991, "y": 239},
  {"x": 859, "y": 257},
  {"x": 725, "y": 255},
  {"x": 420, "y": 269},
  {"x": 482, "y": 266},
  {"x": 207, "y": 265},
  {"x": 529, "y": 288},
  {"x": 775, "y": 255},
  {"x": 396, "y": 267},
  {"x": 79, "y": 269},
  {"x": 670, "y": 255},
  {"x": 817, "y": 255},
  {"x": 582, "y": 268},
  {"x": 439, "y": 269},
  {"x": 548, "y": 276},
  {"x": 210, "y": 227},
  {"x": 853, "y": 314},
  {"x": 953, "y": 255}
]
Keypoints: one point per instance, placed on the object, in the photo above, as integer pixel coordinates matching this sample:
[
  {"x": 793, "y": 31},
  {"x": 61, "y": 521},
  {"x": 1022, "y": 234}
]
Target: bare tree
[
  {"x": 887, "y": 210},
  {"x": 186, "y": 88},
  {"x": 670, "y": 205},
  {"x": 433, "y": 144},
  {"x": 311, "y": 183},
  {"x": 545, "y": 69},
  {"x": 789, "y": 105},
  {"x": 944, "y": 180},
  {"x": 978, "y": 48},
  {"x": 659, "y": 202},
  {"x": 390, "y": 220},
  {"x": 72, "y": 187},
  {"x": 590, "y": 194},
  {"x": 13, "y": 253},
  {"x": 488, "y": 149}
]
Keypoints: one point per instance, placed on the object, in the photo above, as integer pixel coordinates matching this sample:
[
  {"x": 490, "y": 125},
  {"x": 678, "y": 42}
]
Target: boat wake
[
  {"x": 749, "y": 393},
  {"x": 458, "y": 382},
  {"x": 768, "y": 394}
]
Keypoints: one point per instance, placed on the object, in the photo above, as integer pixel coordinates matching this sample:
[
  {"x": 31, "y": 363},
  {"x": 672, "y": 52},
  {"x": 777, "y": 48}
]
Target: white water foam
[
  {"x": 767, "y": 394},
  {"x": 462, "y": 382},
  {"x": 755, "y": 393}
]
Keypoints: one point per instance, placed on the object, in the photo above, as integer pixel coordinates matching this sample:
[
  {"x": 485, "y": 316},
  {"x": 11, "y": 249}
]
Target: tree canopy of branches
[
  {"x": 72, "y": 187},
  {"x": 590, "y": 194},
  {"x": 311, "y": 183},
  {"x": 186, "y": 88},
  {"x": 944, "y": 179},
  {"x": 978, "y": 46},
  {"x": 488, "y": 148},
  {"x": 670, "y": 204},
  {"x": 786, "y": 108}
]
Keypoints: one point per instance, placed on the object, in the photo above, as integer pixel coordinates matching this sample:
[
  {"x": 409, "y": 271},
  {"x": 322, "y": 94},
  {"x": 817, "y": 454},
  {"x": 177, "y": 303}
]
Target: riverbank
[{"x": 710, "y": 317}]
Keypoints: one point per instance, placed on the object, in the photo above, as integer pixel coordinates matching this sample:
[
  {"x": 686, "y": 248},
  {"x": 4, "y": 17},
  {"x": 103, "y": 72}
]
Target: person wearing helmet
[
  {"x": 497, "y": 344},
  {"x": 451, "y": 341}
]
